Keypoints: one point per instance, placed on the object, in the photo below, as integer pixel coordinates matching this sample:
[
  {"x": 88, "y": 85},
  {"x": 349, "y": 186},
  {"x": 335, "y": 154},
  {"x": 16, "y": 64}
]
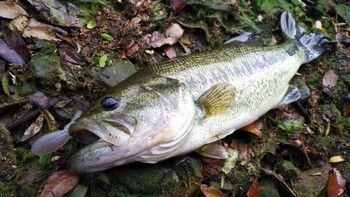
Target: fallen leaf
[
  {"x": 5, "y": 84},
  {"x": 10, "y": 55},
  {"x": 59, "y": 183},
  {"x": 170, "y": 52},
  {"x": 15, "y": 42},
  {"x": 329, "y": 79},
  {"x": 211, "y": 191},
  {"x": 336, "y": 184},
  {"x": 244, "y": 149},
  {"x": 177, "y": 5},
  {"x": 34, "y": 128},
  {"x": 69, "y": 56},
  {"x": 103, "y": 61},
  {"x": 254, "y": 128},
  {"x": 336, "y": 159},
  {"x": 230, "y": 161},
  {"x": 11, "y": 10},
  {"x": 173, "y": 33},
  {"x": 41, "y": 31},
  {"x": 254, "y": 190},
  {"x": 106, "y": 37},
  {"x": 91, "y": 24},
  {"x": 18, "y": 24},
  {"x": 130, "y": 50}
]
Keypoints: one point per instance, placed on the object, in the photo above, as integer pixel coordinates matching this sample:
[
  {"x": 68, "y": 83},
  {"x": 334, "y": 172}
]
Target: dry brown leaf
[
  {"x": 170, "y": 52},
  {"x": 329, "y": 79},
  {"x": 34, "y": 128},
  {"x": 211, "y": 191},
  {"x": 59, "y": 183},
  {"x": 336, "y": 184},
  {"x": 39, "y": 30},
  {"x": 11, "y": 10},
  {"x": 244, "y": 149},
  {"x": 254, "y": 190},
  {"x": 254, "y": 128},
  {"x": 177, "y": 5},
  {"x": 18, "y": 24}
]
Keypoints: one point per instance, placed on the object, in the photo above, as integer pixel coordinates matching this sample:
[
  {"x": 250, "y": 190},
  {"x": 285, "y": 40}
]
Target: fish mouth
[{"x": 112, "y": 129}]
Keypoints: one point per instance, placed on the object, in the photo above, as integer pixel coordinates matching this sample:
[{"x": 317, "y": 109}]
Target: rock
[
  {"x": 46, "y": 66},
  {"x": 117, "y": 72}
]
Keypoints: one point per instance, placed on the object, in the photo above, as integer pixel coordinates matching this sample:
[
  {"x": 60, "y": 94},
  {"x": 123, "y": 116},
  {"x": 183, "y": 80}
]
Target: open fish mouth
[{"x": 112, "y": 129}]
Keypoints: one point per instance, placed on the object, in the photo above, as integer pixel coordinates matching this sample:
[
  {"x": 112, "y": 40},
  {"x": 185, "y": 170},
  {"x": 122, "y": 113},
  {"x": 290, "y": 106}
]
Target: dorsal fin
[{"x": 217, "y": 100}]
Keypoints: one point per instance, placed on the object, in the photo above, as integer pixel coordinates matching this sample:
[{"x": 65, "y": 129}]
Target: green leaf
[
  {"x": 106, "y": 37},
  {"x": 344, "y": 11},
  {"x": 5, "y": 83},
  {"x": 103, "y": 61},
  {"x": 156, "y": 19},
  {"x": 290, "y": 125},
  {"x": 91, "y": 24},
  {"x": 230, "y": 161}
]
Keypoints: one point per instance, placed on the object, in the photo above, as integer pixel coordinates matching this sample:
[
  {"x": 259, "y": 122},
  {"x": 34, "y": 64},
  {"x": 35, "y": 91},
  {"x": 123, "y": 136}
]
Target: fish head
[{"x": 131, "y": 119}]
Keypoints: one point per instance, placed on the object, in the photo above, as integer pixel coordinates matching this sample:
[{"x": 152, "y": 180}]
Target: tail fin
[{"x": 314, "y": 44}]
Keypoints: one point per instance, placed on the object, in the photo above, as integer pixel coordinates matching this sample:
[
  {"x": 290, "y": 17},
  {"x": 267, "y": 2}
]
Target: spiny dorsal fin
[{"x": 217, "y": 100}]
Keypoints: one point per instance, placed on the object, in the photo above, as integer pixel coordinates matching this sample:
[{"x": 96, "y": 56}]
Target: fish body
[{"x": 175, "y": 107}]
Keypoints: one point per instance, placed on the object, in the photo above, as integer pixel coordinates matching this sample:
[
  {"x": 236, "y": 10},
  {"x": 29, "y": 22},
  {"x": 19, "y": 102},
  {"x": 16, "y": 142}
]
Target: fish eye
[{"x": 110, "y": 103}]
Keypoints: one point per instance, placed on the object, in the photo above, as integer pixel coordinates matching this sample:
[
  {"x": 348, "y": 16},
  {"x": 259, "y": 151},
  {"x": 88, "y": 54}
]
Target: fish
[{"x": 175, "y": 107}]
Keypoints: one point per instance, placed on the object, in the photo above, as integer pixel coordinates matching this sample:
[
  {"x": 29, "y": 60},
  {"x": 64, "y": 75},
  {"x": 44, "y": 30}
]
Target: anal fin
[{"x": 293, "y": 94}]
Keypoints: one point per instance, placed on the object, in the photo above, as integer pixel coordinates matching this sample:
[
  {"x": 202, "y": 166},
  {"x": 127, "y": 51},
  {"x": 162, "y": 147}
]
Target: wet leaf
[
  {"x": 254, "y": 190},
  {"x": 10, "y": 55},
  {"x": 59, "y": 183},
  {"x": 336, "y": 184},
  {"x": 69, "y": 56},
  {"x": 336, "y": 159},
  {"x": 102, "y": 61},
  {"x": 329, "y": 79},
  {"x": 230, "y": 161},
  {"x": 254, "y": 128},
  {"x": 106, "y": 37},
  {"x": 11, "y": 10},
  {"x": 15, "y": 42},
  {"x": 211, "y": 191},
  {"x": 177, "y": 5},
  {"x": 34, "y": 128}
]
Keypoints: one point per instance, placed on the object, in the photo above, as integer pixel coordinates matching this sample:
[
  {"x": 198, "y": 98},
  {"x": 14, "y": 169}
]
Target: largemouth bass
[{"x": 175, "y": 107}]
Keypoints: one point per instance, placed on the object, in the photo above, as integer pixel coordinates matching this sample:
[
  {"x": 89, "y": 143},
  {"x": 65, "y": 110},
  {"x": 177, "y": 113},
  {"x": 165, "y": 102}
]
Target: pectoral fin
[
  {"x": 217, "y": 100},
  {"x": 293, "y": 94}
]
